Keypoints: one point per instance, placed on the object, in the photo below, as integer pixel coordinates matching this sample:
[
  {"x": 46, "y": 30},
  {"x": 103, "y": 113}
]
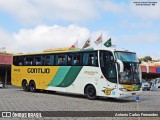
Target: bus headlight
[{"x": 122, "y": 89}]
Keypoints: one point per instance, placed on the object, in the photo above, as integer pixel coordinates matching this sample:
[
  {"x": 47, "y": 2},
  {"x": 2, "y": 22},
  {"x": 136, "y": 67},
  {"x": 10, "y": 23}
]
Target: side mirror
[
  {"x": 147, "y": 67},
  {"x": 120, "y": 65}
]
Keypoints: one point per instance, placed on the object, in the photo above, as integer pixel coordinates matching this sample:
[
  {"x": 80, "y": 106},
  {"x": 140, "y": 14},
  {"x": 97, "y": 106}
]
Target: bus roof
[
  {"x": 65, "y": 50},
  {"x": 112, "y": 49}
]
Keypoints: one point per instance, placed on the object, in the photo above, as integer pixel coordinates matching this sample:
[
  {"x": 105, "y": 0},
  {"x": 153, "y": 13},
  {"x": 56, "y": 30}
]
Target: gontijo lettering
[{"x": 38, "y": 70}]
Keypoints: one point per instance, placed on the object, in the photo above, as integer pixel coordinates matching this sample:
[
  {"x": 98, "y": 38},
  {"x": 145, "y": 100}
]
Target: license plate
[{"x": 133, "y": 93}]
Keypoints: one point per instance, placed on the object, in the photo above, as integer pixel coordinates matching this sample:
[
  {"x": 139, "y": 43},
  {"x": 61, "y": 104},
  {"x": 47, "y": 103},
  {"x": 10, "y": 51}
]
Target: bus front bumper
[{"x": 125, "y": 94}]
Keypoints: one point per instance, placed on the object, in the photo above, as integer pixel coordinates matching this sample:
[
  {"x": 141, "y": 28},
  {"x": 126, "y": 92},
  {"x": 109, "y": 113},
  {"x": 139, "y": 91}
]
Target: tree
[{"x": 145, "y": 59}]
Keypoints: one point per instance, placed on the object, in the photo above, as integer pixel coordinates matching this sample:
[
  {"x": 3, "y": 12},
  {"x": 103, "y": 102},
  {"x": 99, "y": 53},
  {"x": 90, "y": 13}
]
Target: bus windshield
[
  {"x": 126, "y": 56},
  {"x": 130, "y": 74}
]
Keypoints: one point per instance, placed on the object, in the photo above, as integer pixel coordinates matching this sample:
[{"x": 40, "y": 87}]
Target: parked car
[
  {"x": 157, "y": 82},
  {"x": 145, "y": 85},
  {"x": 1, "y": 85}
]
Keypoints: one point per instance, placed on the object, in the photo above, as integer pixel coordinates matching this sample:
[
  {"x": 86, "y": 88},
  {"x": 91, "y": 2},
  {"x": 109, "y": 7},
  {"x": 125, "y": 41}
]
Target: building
[
  {"x": 5, "y": 67},
  {"x": 153, "y": 70}
]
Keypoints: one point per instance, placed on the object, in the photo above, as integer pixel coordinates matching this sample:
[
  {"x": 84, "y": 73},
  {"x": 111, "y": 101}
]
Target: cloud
[
  {"x": 37, "y": 11},
  {"x": 21, "y": 10},
  {"x": 45, "y": 37},
  {"x": 4, "y": 37}
]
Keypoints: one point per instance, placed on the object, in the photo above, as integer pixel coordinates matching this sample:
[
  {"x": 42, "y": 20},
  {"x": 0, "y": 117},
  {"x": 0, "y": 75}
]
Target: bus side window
[
  {"x": 77, "y": 59},
  {"x": 69, "y": 59},
  {"x": 85, "y": 59},
  {"x": 93, "y": 59},
  {"x": 110, "y": 56},
  {"x": 102, "y": 58},
  {"x": 61, "y": 59},
  {"x": 56, "y": 60},
  {"x": 105, "y": 57},
  {"x": 18, "y": 60},
  {"x": 47, "y": 60},
  {"x": 15, "y": 60},
  {"x": 51, "y": 59},
  {"x": 20, "y": 63},
  {"x": 28, "y": 60},
  {"x": 90, "y": 59},
  {"x": 38, "y": 60}
]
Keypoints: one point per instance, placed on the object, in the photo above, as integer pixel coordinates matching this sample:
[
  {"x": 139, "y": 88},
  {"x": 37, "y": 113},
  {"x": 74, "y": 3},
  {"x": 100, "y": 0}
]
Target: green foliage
[{"x": 145, "y": 59}]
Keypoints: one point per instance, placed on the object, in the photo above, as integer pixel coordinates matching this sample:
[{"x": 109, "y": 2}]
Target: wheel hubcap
[
  {"x": 24, "y": 85},
  {"x": 91, "y": 92}
]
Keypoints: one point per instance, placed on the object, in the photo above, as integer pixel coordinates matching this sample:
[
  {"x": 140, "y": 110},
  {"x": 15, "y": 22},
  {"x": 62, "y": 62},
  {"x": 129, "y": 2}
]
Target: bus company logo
[
  {"x": 90, "y": 72},
  {"x": 38, "y": 70},
  {"x": 107, "y": 91},
  {"x": 6, "y": 114},
  {"x": 21, "y": 115}
]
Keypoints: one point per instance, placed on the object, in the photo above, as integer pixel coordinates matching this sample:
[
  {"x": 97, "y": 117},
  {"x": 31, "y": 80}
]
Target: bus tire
[
  {"x": 90, "y": 92},
  {"x": 25, "y": 85},
  {"x": 32, "y": 86}
]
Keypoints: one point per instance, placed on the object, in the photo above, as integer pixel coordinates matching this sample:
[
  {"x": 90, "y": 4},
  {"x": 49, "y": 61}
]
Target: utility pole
[{"x": 5, "y": 79}]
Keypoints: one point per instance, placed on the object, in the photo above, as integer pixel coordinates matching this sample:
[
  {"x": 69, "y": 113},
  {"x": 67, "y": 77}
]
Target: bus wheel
[
  {"x": 32, "y": 86},
  {"x": 90, "y": 92},
  {"x": 25, "y": 85}
]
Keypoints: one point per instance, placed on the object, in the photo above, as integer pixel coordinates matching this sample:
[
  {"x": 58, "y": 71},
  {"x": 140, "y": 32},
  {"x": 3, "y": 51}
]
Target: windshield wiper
[{"x": 126, "y": 83}]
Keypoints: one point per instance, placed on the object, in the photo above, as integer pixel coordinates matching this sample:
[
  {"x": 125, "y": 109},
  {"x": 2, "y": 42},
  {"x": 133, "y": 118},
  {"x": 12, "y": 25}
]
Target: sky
[{"x": 35, "y": 25}]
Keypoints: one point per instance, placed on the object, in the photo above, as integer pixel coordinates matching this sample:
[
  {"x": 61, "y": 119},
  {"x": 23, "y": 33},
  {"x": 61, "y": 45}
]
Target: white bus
[{"x": 109, "y": 72}]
